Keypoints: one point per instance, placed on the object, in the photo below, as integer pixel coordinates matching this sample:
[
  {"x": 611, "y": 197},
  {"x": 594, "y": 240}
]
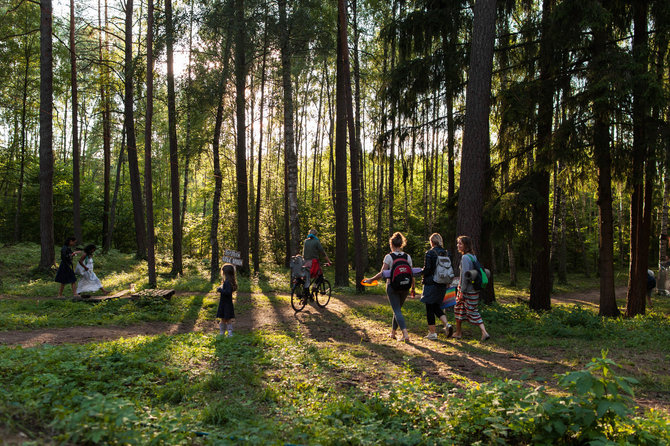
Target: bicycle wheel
[
  {"x": 297, "y": 300},
  {"x": 323, "y": 293}
]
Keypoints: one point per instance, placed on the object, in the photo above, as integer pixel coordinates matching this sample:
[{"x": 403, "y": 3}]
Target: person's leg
[
  {"x": 430, "y": 319},
  {"x": 396, "y": 300},
  {"x": 649, "y": 298},
  {"x": 60, "y": 290},
  {"x": 485, "y": 334},
  {"x": 74, "y": 289},
  {"x": 222, "y": 327}
]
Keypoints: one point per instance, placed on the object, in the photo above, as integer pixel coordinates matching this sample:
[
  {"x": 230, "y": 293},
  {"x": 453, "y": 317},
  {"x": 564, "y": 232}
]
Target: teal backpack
[{"x": 481, "y": 281}]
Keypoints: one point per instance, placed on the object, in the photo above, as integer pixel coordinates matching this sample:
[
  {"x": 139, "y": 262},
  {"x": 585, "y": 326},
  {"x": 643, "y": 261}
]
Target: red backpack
[{"x": 401, "y": 272}]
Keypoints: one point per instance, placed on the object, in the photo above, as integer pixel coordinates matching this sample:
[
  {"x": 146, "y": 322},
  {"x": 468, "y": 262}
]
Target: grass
[{"x": 323, "y": 377}]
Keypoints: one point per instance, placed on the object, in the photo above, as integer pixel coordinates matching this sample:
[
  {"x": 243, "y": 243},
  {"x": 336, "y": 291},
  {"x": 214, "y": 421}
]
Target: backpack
[
  {"x": 651, "y": 281},
  {"x": 443, "y": 270},
  {"x": 481, "y": 281},
  {"x": 401, "y": 272}
]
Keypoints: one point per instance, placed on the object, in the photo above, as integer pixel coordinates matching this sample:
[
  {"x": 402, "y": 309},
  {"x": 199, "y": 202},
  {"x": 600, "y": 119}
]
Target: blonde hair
[
  {"x": 436, "y": 239},
  {"x": 228, "y": 273},
  {"x": 398, "y": 240}
]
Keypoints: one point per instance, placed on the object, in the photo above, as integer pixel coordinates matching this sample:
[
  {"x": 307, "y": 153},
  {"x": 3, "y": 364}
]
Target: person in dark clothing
[
  {"x": 65, "y": 272},
  {"x": 433, "y": 292},
  {"x": 226, "y": 310}
]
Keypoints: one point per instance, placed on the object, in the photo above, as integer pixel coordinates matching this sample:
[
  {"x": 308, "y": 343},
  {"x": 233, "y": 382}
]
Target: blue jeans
[{"x": 397, "y": 299}]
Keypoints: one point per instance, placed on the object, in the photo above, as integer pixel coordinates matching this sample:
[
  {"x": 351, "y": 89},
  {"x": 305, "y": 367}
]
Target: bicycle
[{"x": 319, "y": 292}]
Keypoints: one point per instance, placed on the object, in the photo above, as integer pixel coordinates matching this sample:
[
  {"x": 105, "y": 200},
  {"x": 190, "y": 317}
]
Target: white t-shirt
[{"x": 388, "y": 261}]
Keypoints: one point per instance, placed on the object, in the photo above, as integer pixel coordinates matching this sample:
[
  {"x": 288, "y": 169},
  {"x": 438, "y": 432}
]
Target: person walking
[
  {"x": 437, "y": 274},
  {"x": 399, "y": 283},
  {"x": 65, "y": 272},
  {"x": 467, "y": 298},
  {"x": 89, "y": 282},
  {"x": 226, "y": 310}
]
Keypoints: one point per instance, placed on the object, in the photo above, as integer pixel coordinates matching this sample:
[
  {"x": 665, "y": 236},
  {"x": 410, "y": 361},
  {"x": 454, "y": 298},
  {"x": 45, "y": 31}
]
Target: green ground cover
[{"x": 294, "y": 384}]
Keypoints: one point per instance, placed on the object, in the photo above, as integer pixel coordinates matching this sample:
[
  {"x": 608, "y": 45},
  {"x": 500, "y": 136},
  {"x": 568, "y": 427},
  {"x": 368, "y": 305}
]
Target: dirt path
[{"x": 341, "y": 324}]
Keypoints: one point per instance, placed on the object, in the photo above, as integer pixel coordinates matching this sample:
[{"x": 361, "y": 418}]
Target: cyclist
[{"x": 311, "y": 251}]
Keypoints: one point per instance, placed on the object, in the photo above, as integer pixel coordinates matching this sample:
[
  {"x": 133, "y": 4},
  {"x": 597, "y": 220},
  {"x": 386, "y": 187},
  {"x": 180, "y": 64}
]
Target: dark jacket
[{"x": 430, "y": 262}]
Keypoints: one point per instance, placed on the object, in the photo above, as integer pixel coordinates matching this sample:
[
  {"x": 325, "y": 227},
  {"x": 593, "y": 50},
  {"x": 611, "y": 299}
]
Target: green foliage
[{"x": 274, "y": 389}]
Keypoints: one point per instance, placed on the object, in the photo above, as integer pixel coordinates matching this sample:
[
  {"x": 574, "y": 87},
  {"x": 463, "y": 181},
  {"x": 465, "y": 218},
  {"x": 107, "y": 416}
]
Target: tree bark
[
  {"x": 341, "y": 200},
  {"x": 177, "y": 265},
  {"x": 148, "y": 182},
  {"x": 76, "y": 181},
  {"x": 476, "y": 132},
  {"x": 540, "y": 275},
  {"x": 353, "y": 148},
  {"x": 241, "y": 148},
  {"x": 257, "y": 218},
  {"x": 639, "y": 236},
  {"x": 291, "y": 179},
  {"x": 22, "y": 167},
  {"x": 135, "y": 186},
  {"x": 106, "y": 131},
  {"x": 46, "y": 137},
  {"x": 214, "y": 230},
  {"x": 608, "y": 306}
]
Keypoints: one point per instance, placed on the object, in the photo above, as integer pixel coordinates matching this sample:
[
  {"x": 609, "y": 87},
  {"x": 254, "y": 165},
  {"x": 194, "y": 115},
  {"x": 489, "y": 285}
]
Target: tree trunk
[
  {"x": 148, "y": 182},
  {"x": 361, "y": 166},
  {"x": 639, "y": 236},
  {"x": 106, "y": 131},
  {"x": 341, "y": 200},
  {"x": 46, "y": 138},
  {"x": 241, "y": 148},
  {"x": 214, "y": 230},
  {"x": 476, "y": 132},
  {"x": 353, "y": 147},
  {"x": 117, "y": 185},
  {"x": 22, "y": 167},
  {"x": 512, "y": 264},
  {"x": 135, "y": 187},
  {"x": 291, "y": 179},
  {"x": 76, "y": 181},
  {"x": 257, "y": 218},
  {"x": 177, "y": 265},
  {"x": 602, "y": 151},
  {"x": 540, "y": 275}
]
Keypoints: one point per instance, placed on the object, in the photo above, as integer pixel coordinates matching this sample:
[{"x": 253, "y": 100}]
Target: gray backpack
[{"x": 443, "y": 270}]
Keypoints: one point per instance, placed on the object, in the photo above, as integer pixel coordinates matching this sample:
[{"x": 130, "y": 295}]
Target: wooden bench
[
  {"x": 152, "y": 294},
  {"x": 98, "y": 299}
]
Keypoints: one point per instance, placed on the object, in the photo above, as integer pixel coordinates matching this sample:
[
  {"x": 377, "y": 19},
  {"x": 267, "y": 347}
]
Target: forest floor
[{"x": 347, "y": 320}]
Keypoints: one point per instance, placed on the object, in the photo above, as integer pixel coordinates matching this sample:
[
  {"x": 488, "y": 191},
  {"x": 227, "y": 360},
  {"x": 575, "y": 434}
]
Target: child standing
[{"x": 226, "y": 311}]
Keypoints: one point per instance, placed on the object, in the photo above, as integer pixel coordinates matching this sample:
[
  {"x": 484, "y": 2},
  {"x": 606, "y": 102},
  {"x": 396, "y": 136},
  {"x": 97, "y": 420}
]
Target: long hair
[
  {"x": 68, "y": 240},
  {"x": 437, "y": 239},
  {"x": 398, "y": 240},
  {"x": 228, "y": 273},
  {"x": 89, "y": 249},
  {"x": 467, "y": 243}
]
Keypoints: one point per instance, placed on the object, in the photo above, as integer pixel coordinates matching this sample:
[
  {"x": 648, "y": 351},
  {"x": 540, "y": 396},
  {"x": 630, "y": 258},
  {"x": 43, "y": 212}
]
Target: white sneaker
[{"x": 432, "y": 336}]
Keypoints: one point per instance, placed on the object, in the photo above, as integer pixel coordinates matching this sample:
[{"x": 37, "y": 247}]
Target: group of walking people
[
  {"x": 67, "y": 272},
  {"x": 394, "y": 268}
]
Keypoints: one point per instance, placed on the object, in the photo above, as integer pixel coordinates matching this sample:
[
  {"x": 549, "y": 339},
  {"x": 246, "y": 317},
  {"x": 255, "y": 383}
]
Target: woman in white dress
[{"x": 89, "y": 282}]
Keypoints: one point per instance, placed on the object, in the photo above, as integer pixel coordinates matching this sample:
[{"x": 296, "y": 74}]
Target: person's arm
[
  {"x": 81, "y": 262},
  {"x": 378, "y": 275},
  {"x": 323, "y": 251}
]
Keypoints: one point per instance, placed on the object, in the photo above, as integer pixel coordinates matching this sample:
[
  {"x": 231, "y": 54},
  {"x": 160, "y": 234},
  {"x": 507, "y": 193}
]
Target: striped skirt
[{"x": 466, "y": 308}]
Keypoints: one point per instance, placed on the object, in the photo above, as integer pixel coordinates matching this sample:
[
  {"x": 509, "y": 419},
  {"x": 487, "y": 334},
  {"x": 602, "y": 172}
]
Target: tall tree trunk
[
  {"x": 135, "y": 187},
  {"x": 106, "y": 130},
  {"x": 476, "y": 132},
  {"x": 241, "y": 148},
  {"x": 353, "y": 148},
  {"x": 117, "y": 185},
  {"x": 46, "y": 138},
  {"x": 361, "y": 166},
  {"x": 341, "y": 200},
  {"x": 257, "y": 218},
  {"x": 293, "y": 234},
  {"x": 601, "y": 143},
  {"x": 214, "y": 230},
  {"x": 76, "y": 181},
  {"x": 391, "y": 185},
  {"x": 148, "y": 182},
  {"x": 22, "y": 166},
  {"x": 177, "y": 265},
  {"x": 540, "y": 274},
  {"x": 639, "y": 236}
]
